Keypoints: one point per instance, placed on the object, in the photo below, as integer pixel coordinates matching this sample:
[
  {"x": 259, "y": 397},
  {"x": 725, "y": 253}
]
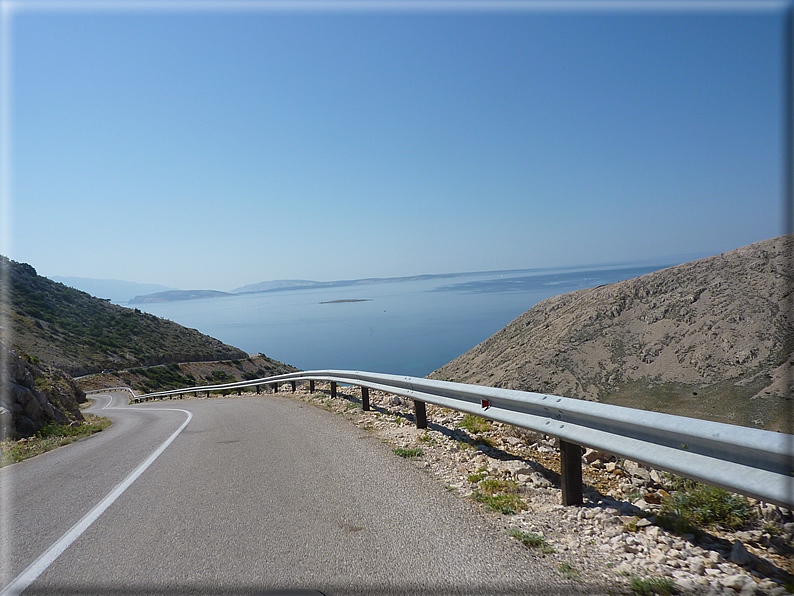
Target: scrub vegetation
[
  {"x": 81, "y": 334},
  {"x": 499, "y": 495},
  {"x": 696, "y": 505},
  {"x": 49, "y": 438}
]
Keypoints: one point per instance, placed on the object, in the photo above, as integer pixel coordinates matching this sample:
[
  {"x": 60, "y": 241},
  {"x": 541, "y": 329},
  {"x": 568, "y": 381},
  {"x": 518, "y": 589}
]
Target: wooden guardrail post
[
  {"x": 333, "y": 388},
  {"x": 420, "y": 413},
  {"x": 294, "y": 386},
  {"x": 275, "y": 387},
  {"x": 571, "y": 473},
  {"x": 311, "y": 386},
  {"x": 257, "y": 389},
  {"x": 365, "y": 399}
]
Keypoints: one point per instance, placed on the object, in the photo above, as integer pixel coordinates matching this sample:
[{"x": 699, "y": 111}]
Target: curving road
[{"x": 254, "y": 495}]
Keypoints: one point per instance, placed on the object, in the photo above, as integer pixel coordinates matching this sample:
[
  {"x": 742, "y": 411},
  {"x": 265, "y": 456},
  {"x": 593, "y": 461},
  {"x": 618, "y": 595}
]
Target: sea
[{"x": 403, "y": 326}]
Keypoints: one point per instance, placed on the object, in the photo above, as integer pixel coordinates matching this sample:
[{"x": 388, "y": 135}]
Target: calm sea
[{"x": 403, "y": 327}]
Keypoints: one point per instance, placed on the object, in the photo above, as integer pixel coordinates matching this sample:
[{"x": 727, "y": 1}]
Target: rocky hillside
[
  {"x": 709, "y": 339},
  {"x": 80, "y": 334},
  {"x": 34, "y": 395}
]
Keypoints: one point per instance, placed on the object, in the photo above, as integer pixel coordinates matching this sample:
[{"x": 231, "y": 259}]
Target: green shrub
[
  {"x": 499, "y": 495},
  {"x": 219, "y": 376},
  {"x": 475, "y": 424},
  {"x": 709, "y": 507},
  {"x": 531, "y": 540},
  {"x": 569, "y": 572},
  {"x": 506, "y": 504},
  {"x": 663, "y": 586},
  {"x": 409, "y": 453},
  {"x": 493, "y": 486}
]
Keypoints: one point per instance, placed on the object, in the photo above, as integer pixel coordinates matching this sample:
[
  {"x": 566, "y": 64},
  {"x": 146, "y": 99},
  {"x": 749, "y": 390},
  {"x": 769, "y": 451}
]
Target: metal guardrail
[
  {"x": 754, "y": 462},
  {"x": 111, "y": 389}
]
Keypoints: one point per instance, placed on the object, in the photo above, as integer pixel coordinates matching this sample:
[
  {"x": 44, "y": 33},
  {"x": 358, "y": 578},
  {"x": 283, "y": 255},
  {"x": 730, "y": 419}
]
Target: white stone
[
  {"x": 658, "y": 556},
  {"x": 749, "y": 589},
  {"x": 652, "y": 531},
  {"x": 686, "y": 585},
  {"x": 696, "y": 565},
  {"x": 735, "y": 582}
]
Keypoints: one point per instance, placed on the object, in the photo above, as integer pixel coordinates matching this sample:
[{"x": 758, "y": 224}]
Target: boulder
[{"x": 739, "y": 554}]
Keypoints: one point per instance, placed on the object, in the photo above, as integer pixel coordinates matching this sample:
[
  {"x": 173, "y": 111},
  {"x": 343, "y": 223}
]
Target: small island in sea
[{"x": 347, "y": 300}]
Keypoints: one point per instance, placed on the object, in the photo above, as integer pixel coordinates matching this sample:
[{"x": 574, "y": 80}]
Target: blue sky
[{"x": 213, "y": 146}]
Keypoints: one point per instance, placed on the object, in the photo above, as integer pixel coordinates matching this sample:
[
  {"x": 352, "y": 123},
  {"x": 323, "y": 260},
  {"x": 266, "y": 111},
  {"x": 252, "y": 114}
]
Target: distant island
[
  {"x": 174, "y": 295},
  {"x": 347, "y": 300},
  {"x": 282, "y": 285}
]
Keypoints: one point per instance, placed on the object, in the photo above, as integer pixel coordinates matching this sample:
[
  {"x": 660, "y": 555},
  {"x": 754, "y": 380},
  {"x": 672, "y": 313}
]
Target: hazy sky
[{"x": 221, "y": 144}]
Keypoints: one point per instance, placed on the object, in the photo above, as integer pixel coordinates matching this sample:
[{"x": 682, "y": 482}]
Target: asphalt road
[{"x": 254, "y": 495}]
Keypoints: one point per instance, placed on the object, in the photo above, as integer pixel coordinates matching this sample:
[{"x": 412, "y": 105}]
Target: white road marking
[{"x": 35, "y": 569}]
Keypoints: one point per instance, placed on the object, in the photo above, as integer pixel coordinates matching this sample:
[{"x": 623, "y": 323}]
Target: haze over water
[{"x": 402, "y": 327}]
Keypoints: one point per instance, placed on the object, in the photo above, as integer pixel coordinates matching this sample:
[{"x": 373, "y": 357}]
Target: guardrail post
[
  {"x": 257, "y": 389},
  {"x": 571, "y": 473},
  {"x": 311, "y": 386},
  {"x": 294, "y": 386},
  {"x": 239, "y": 391},
  {"x": 275, "y": 387},
  {"x": 333, "y": 388},
  {"x": 420, "y": 413},
  {"x": 365, "y": 399}
]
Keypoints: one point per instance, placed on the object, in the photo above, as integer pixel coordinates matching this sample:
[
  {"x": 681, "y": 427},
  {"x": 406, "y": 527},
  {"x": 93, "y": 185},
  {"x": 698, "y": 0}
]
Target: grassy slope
[{"x": 81, "y": 334}]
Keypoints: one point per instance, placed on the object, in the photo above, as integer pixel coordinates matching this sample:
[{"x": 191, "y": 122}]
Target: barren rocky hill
[{"x": 710, "y": 339}]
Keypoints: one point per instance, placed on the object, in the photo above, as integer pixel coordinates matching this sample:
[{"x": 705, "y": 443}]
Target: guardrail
[
  {"x": 111, "y": 389},
  {"x": 753, "y": 462}
]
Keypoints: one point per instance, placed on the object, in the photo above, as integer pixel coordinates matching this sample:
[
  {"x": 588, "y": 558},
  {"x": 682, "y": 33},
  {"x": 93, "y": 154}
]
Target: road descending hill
[{"x": 710, "y": 339}]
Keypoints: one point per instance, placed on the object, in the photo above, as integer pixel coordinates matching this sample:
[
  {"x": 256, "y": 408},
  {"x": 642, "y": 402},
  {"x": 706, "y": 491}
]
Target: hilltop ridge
[
  {"x": 81, "y": 334},
  {"x": 710, "y": 339}
]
